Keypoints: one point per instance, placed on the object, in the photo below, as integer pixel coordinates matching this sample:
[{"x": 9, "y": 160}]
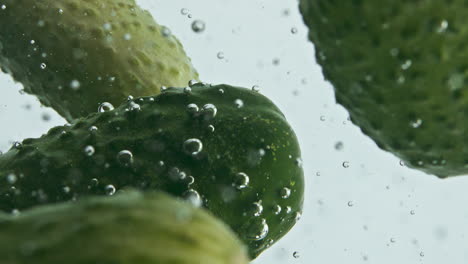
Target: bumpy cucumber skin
[
  {"x": 128, "y": 228},
  {"x": 111, "y": 49},
  {"x": 399, "y": 67},
  {"x": 45, "y": 166}
]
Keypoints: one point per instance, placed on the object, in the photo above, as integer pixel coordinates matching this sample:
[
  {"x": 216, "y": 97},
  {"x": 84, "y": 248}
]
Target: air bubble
[
  {"x": 125, "y": 158},
  {"x": 443, "y": 26},
  {"x": 198, "y": 26},
  {"x": 298, "y": 162},
  {"x": 285, "y": 193},
  {"x": 220, "y": 55},
  {"x": 105, "y": 107},
  {"x": 456, "y": 81},
  {"x": 192, "y": 82},
  {"x": 241, "y": 181},
  {"x": 187, "y": 90},
  {"x": 296, "y": 255},
  {"x": 406, "y": 65},
  {"x": 193, "y": 146},
  {"x": 133, "y": 107},
  {"x": 257, "y": 208},
  {"x": 339, "y": 145},
  {"x": 211, "y": 128},
  {"x": 238, "y": 103},
  {"x": 107, "y": 26},
  {"x": 66, "y": 189},
  {"x": 256, "y": 88},
  {"x": 11, "y": 178},
  {"x": 277, "y": 209},
  {"x": 193, "y": 197},
  {"x": 416, "y": 123},
  {"x": 17, "y": 145},
  {"x": 75, "y": 84},
  {"x": 209, "y": 111},
  {"x": 258, "y": 230},
  {"x": 298, "y": 216},
  {"x": 166, "y": 32},
  {"x": 94, "y": 182},
  {"x": 294, "y": 30},
  {"x": 184, "y": 11},
  {"x": 89, "y": 151},
  {"x": 176, "y": 175},
  {"x": 192, "y": 109},
  {"x": 43, "y": 66},
  {"x": 345, "y": 164},
  {"x": 46, "y": 117},
  {"x": 110, "y": 189}
]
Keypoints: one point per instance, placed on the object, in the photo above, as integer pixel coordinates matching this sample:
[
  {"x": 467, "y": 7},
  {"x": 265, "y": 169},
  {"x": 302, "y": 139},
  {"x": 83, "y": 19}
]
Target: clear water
[{"x": 362, "y": 205}]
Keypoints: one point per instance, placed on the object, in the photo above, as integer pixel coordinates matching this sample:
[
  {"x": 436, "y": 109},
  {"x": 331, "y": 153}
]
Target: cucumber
[
  {"x": 127, "y": 228},
  {"x": 399, "y": 68},
  {"x": 76, "y": 54},
  {"x": 229, "y": 149}
]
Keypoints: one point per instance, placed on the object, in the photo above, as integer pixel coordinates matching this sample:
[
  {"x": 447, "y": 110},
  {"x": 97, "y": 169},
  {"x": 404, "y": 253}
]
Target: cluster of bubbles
[{"x": 198, "y": 26}]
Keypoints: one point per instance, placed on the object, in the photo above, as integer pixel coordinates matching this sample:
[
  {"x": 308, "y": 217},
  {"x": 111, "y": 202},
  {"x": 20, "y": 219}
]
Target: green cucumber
[
  {"x": 127, "y": 228},
  {"x": 75, "y": 54},
  {"x": 399, "y": 68},
  {"x": 227, "y": 148}
]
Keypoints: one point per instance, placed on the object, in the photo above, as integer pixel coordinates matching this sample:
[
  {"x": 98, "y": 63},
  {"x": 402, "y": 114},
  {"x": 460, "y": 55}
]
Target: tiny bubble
[
  {"x": 75, "y": 84},
  {"x": 184, "y": 11},
  {"x": 110, "y": 189}
]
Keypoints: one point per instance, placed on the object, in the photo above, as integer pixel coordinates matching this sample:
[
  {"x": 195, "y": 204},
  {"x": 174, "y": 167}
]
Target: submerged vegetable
[
  {"x": 399, "y": 67},
  {"x": 229, "y": 149},
  {"x": 75, "y": 54},
  {"x": 128, "y": 228}
]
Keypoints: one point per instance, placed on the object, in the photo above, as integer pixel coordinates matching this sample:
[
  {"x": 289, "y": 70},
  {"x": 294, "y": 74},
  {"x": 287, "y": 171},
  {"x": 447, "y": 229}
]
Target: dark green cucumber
[
  {"x": 231, "y": 147},
  {"x": 400, "y": 68},
  {"x": 75, "y": 54},
  {"x": 128, "y": 228}
]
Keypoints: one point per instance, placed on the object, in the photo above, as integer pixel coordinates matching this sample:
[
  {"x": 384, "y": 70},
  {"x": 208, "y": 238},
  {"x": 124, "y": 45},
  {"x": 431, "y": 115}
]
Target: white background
[{"x": 374, "y": 211}]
